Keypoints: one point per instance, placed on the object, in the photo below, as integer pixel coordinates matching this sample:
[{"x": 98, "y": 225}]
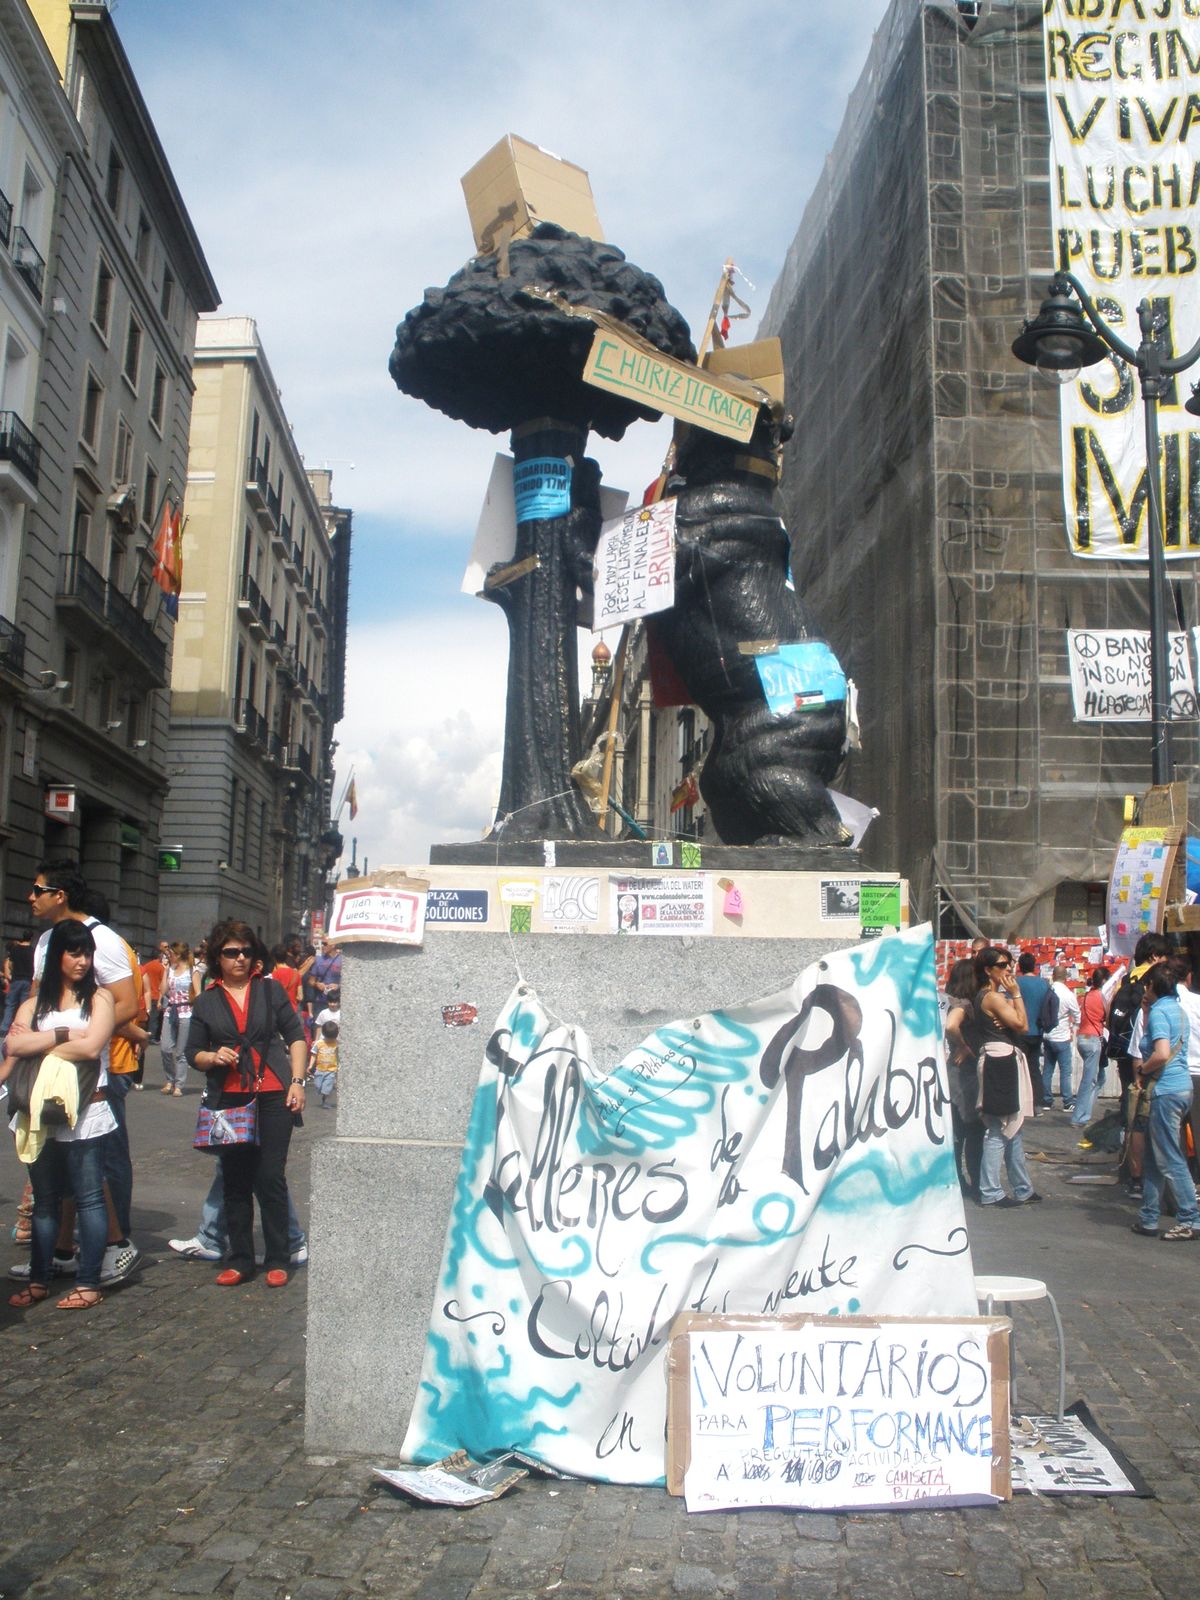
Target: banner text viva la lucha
[{"x": 1123, "y": 88}]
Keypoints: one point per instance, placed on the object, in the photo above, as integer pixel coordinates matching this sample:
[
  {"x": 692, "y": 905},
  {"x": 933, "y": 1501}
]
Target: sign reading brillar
[
  {"x": 634, "y": 569},
  {"x": 791, "y": 1154},
  {"x": 1120, "y": 86}
]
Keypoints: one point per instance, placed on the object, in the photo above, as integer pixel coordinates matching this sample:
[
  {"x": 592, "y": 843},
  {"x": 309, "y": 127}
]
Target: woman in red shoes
[{"x": 245, "y": 1035}]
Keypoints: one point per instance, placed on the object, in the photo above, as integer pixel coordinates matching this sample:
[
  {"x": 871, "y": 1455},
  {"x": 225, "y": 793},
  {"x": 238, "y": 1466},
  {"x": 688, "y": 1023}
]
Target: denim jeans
[
  {"x": 1163, "y": 1161},
  {"x": 996, "y": 1148},
  {"x": 213, "y": 1233},
  {"x": 1089, "y": 1050},
  {"x": 117, "y": 1157},
  {"x": 18, "y": 991},
  {"x": 69, "y": 1167},
  {"x": 1058, "y": 1052},
  {"x": 173, "y": 1044}
]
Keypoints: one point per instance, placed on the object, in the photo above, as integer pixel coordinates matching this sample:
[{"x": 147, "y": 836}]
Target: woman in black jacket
[{"x": 247, "y": 1037}]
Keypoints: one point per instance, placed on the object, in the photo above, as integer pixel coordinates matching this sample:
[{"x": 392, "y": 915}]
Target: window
[
  {"x": 112, "y": 179},
  {"x": 81, "y": 527},
  {"x": 134, "y": 722},
  {"x": 123, "y": 452},
  {"x": 32, "y": 193},
  {"x": 93, "y": 405},
  {"x": 166, "y": 299},
  {"x": 141, "y": 249},
  {"x": 133, "y": 352},
  {"x": 102, "y": 299},
  {"x": 108, "y": 702},
  {"x": 158, "y": 397},
  {"x": 149, "y": 505}
]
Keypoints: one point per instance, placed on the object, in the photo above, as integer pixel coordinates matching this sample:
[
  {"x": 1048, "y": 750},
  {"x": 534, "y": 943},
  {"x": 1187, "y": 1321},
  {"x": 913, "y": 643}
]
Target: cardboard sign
[
  {"x": 1110, "y": 675},
  {"x": 631, "y": 367},
  {"x": 383, "y": 908},
  {"x": 838, "y": 1413},
  {"x": 634, "y": 570},
  {"x": 711, "y": 1166}
]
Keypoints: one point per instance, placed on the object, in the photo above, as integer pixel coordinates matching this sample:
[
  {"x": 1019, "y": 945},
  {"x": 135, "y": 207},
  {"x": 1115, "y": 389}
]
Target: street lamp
[{"x": 1059, "y": 342}]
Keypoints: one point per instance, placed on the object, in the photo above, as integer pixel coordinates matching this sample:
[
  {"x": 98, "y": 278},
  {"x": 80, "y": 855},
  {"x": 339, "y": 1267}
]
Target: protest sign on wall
[
  {"x": 383, "y": 908},
  {"x": 1123, "y": 205},
  {"x": 634, "y": 570},
  {"x": 791, "y": 1154},
  {"x": 1137, "y": 889},
  {"x": 838, "y": 1413},
  {"x": 1110, "y": 674},
  {"x": 678, "y": 903}
]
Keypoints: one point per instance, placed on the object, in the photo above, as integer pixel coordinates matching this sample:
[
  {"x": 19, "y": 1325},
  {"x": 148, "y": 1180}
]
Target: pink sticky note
[{"x": 733, "y": 901}]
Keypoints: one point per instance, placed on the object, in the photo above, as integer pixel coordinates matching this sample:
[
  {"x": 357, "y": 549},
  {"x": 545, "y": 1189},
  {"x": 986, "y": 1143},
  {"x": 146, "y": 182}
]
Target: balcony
[
  {"x": 27, "y": 259},
  {"x": 275, "y": 640},
  {"x": 5, "y": 219},
  {"x": 252, "y": 724},
  {"x": 84, "y": 590},
  {"x": 12, "y": 649},
  {"x": 20, "y": 450},
  {"x": 256, "y": 485},
  {"x": 252, "y": 605}
]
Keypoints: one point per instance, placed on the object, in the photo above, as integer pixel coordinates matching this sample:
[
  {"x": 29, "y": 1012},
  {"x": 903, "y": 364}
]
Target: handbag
[
  {"x": 1000, "y": 1067},
  {"x": 226, "y": 1125},
  {"x": 22, "y": 1081}
]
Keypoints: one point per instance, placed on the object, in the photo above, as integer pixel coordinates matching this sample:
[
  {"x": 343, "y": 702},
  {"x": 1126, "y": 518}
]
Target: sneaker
[
  {"x": 193, "y": 1250},
  {"x": 60, "y": 1267},
  {"x": 119, "y": 1261},
  {"x": 298, "y": 1258}
]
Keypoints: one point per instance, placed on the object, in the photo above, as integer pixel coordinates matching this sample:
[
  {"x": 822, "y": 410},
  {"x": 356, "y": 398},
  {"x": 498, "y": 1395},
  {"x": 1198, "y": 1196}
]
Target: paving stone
[{"x": 199, "y": 1577}]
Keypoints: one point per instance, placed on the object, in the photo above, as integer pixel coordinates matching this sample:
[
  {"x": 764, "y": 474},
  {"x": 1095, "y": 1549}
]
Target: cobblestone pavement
[{"x": 155, "y": 1447}]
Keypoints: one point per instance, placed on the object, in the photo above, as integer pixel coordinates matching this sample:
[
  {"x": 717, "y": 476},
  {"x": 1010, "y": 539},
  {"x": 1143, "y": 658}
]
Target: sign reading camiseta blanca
[
  {"x": 1110, "y": 675},
  {"x": 634, "y": 570},
  {"x": 791, "y": 1154},
  {"x": 1124, "y": 121}
]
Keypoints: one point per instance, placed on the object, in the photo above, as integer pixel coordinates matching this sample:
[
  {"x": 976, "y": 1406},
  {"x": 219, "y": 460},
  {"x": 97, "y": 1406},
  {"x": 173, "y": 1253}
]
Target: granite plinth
[
  {"x": 382, "y": 1188},
  {"x": 618, "y": 854}
]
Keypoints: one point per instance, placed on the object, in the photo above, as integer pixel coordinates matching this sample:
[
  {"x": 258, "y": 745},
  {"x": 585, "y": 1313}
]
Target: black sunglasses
[
  {"x": 45, "y": 888},
  {"x": 231, "y": 952}
]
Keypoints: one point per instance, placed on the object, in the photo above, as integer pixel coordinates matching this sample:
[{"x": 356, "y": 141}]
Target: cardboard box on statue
[{"x": 517, "y": 185}]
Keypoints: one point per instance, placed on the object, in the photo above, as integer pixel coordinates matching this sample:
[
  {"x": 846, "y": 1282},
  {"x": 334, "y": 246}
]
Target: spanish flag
[
  {"x": 168, "y": 558},
  {"x": 352, "y": 797}
]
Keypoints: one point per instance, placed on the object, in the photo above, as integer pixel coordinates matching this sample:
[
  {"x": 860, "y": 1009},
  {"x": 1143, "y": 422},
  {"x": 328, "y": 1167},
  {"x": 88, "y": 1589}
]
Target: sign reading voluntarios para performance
[{"x": 1123, "y": 88}]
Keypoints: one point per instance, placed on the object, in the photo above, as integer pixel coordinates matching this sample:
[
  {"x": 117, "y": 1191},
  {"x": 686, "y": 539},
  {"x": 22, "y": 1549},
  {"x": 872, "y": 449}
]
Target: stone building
[
  {"x": 124, "y": 279},
  {"x": 257, "y": 679}
]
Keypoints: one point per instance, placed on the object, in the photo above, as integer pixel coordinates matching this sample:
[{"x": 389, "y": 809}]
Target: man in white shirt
[
  {"x": 1058, "y": 1043},
  {"x": 1190, "y": 1002}
]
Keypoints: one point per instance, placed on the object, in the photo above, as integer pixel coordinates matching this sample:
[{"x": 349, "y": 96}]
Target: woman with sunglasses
[
  {"x": 71, "y": 1017},
  {"x": 246, "y": 1036},
  {"x": 997, "y": 1026}
]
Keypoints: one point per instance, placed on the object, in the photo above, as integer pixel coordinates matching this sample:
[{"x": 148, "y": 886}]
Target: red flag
[{"x": 168, "y": 558}]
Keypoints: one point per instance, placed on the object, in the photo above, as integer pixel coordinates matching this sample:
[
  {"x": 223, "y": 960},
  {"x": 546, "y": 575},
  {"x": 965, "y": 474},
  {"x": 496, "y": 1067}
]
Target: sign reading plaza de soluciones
[{"x": 1125, "y": 210}]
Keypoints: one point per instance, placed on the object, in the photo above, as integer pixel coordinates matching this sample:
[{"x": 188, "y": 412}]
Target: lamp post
[{"x": 1059, "y": 342}]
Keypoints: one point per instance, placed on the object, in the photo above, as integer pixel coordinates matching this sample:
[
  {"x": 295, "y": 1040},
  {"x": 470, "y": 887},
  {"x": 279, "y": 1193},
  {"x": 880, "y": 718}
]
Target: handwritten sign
[
  {"x": 634, "y": 570},
  {"x": 839, "y": 1413},
  {"x": 680, "y": 903},
  {"x": 1119, "y": 90},
  {"x": 791, "y": 1154},
  {"x": 1110, "y": 675},
  {"x": 630, "y": 367},
  {"x": 377, "y": 914}
]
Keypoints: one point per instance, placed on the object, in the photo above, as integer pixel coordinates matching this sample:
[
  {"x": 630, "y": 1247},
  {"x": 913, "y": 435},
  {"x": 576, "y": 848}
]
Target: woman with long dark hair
[
  {"x": 964, "y": 1078},
  {"x": 70, "y": 1018},
  {"x": 246, "y": 1036}
]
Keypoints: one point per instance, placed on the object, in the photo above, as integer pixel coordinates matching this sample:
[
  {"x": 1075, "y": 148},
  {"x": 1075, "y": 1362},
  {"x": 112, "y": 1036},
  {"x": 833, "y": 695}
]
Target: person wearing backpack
[
  {"x": 1034, "y": 990},
  {"x": 1059, "y": 1020}
]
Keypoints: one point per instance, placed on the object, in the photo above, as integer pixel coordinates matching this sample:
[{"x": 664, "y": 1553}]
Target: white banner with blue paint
[{"x": 789, "y": 1155}]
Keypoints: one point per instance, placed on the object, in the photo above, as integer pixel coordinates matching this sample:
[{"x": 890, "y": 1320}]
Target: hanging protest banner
[
  {"x": 838, "y": 1413},
  {"x": 1110, "y": 675},
  {"x": 634, "y": 570},
  {"x": 791, "y": 1154},
  {"x": 1123, "y": 206}
]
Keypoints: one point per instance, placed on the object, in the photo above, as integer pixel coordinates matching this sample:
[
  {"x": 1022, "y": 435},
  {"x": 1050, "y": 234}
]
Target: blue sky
[{"x": 319, "y": 146}]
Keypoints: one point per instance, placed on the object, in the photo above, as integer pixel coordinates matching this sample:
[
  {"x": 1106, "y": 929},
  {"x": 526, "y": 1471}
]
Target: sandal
[
  {"x": 80, "y": 1300},
  {"x": 1179, "y": 1233},
  {"x": 28, "y": 1296}
]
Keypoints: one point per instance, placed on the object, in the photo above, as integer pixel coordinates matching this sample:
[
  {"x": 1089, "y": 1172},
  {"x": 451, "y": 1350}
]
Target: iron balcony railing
[
  {"x": 18, "y": 445},
  {"x": 28, "y": 260},
  {"x": 12, "y": 648},
  {"x": 80, "y": 584},
  {"x": 252, "y": 722},
  {"x": 5, "y": 219},
  {"x": 253, "y": 597}
]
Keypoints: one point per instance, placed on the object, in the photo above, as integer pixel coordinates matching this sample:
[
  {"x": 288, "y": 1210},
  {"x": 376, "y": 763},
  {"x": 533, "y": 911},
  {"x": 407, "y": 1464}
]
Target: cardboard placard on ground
[{"x": 838, "y": 1413}]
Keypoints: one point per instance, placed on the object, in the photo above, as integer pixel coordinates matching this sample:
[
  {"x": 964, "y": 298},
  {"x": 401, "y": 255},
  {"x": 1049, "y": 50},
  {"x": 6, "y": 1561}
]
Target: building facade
[
  {"x": 123, "y": 280},
  {"x": 259, "y": 663}
]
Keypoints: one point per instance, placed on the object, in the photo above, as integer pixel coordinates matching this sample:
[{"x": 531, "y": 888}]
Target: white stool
[{"x": 1008, "y": 1291}]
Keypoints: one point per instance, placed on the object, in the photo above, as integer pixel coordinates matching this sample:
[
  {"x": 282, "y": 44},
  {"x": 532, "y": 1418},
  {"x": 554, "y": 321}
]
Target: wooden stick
[{"x": 613, "y": 712}]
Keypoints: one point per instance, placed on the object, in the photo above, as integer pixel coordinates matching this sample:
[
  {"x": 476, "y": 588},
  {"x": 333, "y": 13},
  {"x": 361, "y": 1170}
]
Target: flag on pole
[
  {"x": 168, "y": 558},
  {"x": 352, "y": 797}
]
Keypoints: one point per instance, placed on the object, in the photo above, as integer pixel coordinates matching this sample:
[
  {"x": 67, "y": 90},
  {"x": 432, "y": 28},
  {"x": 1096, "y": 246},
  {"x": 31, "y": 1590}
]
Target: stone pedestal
[{"x": 382, "y": 1188}]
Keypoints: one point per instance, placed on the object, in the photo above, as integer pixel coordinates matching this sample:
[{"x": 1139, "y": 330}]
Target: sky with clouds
[{"x": 319, "y": 146}]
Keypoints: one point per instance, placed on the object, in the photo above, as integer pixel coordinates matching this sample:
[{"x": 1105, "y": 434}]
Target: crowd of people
[
  {"x": 1012, "y": 1032},
  {"x": 256, "y": 1025}
]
